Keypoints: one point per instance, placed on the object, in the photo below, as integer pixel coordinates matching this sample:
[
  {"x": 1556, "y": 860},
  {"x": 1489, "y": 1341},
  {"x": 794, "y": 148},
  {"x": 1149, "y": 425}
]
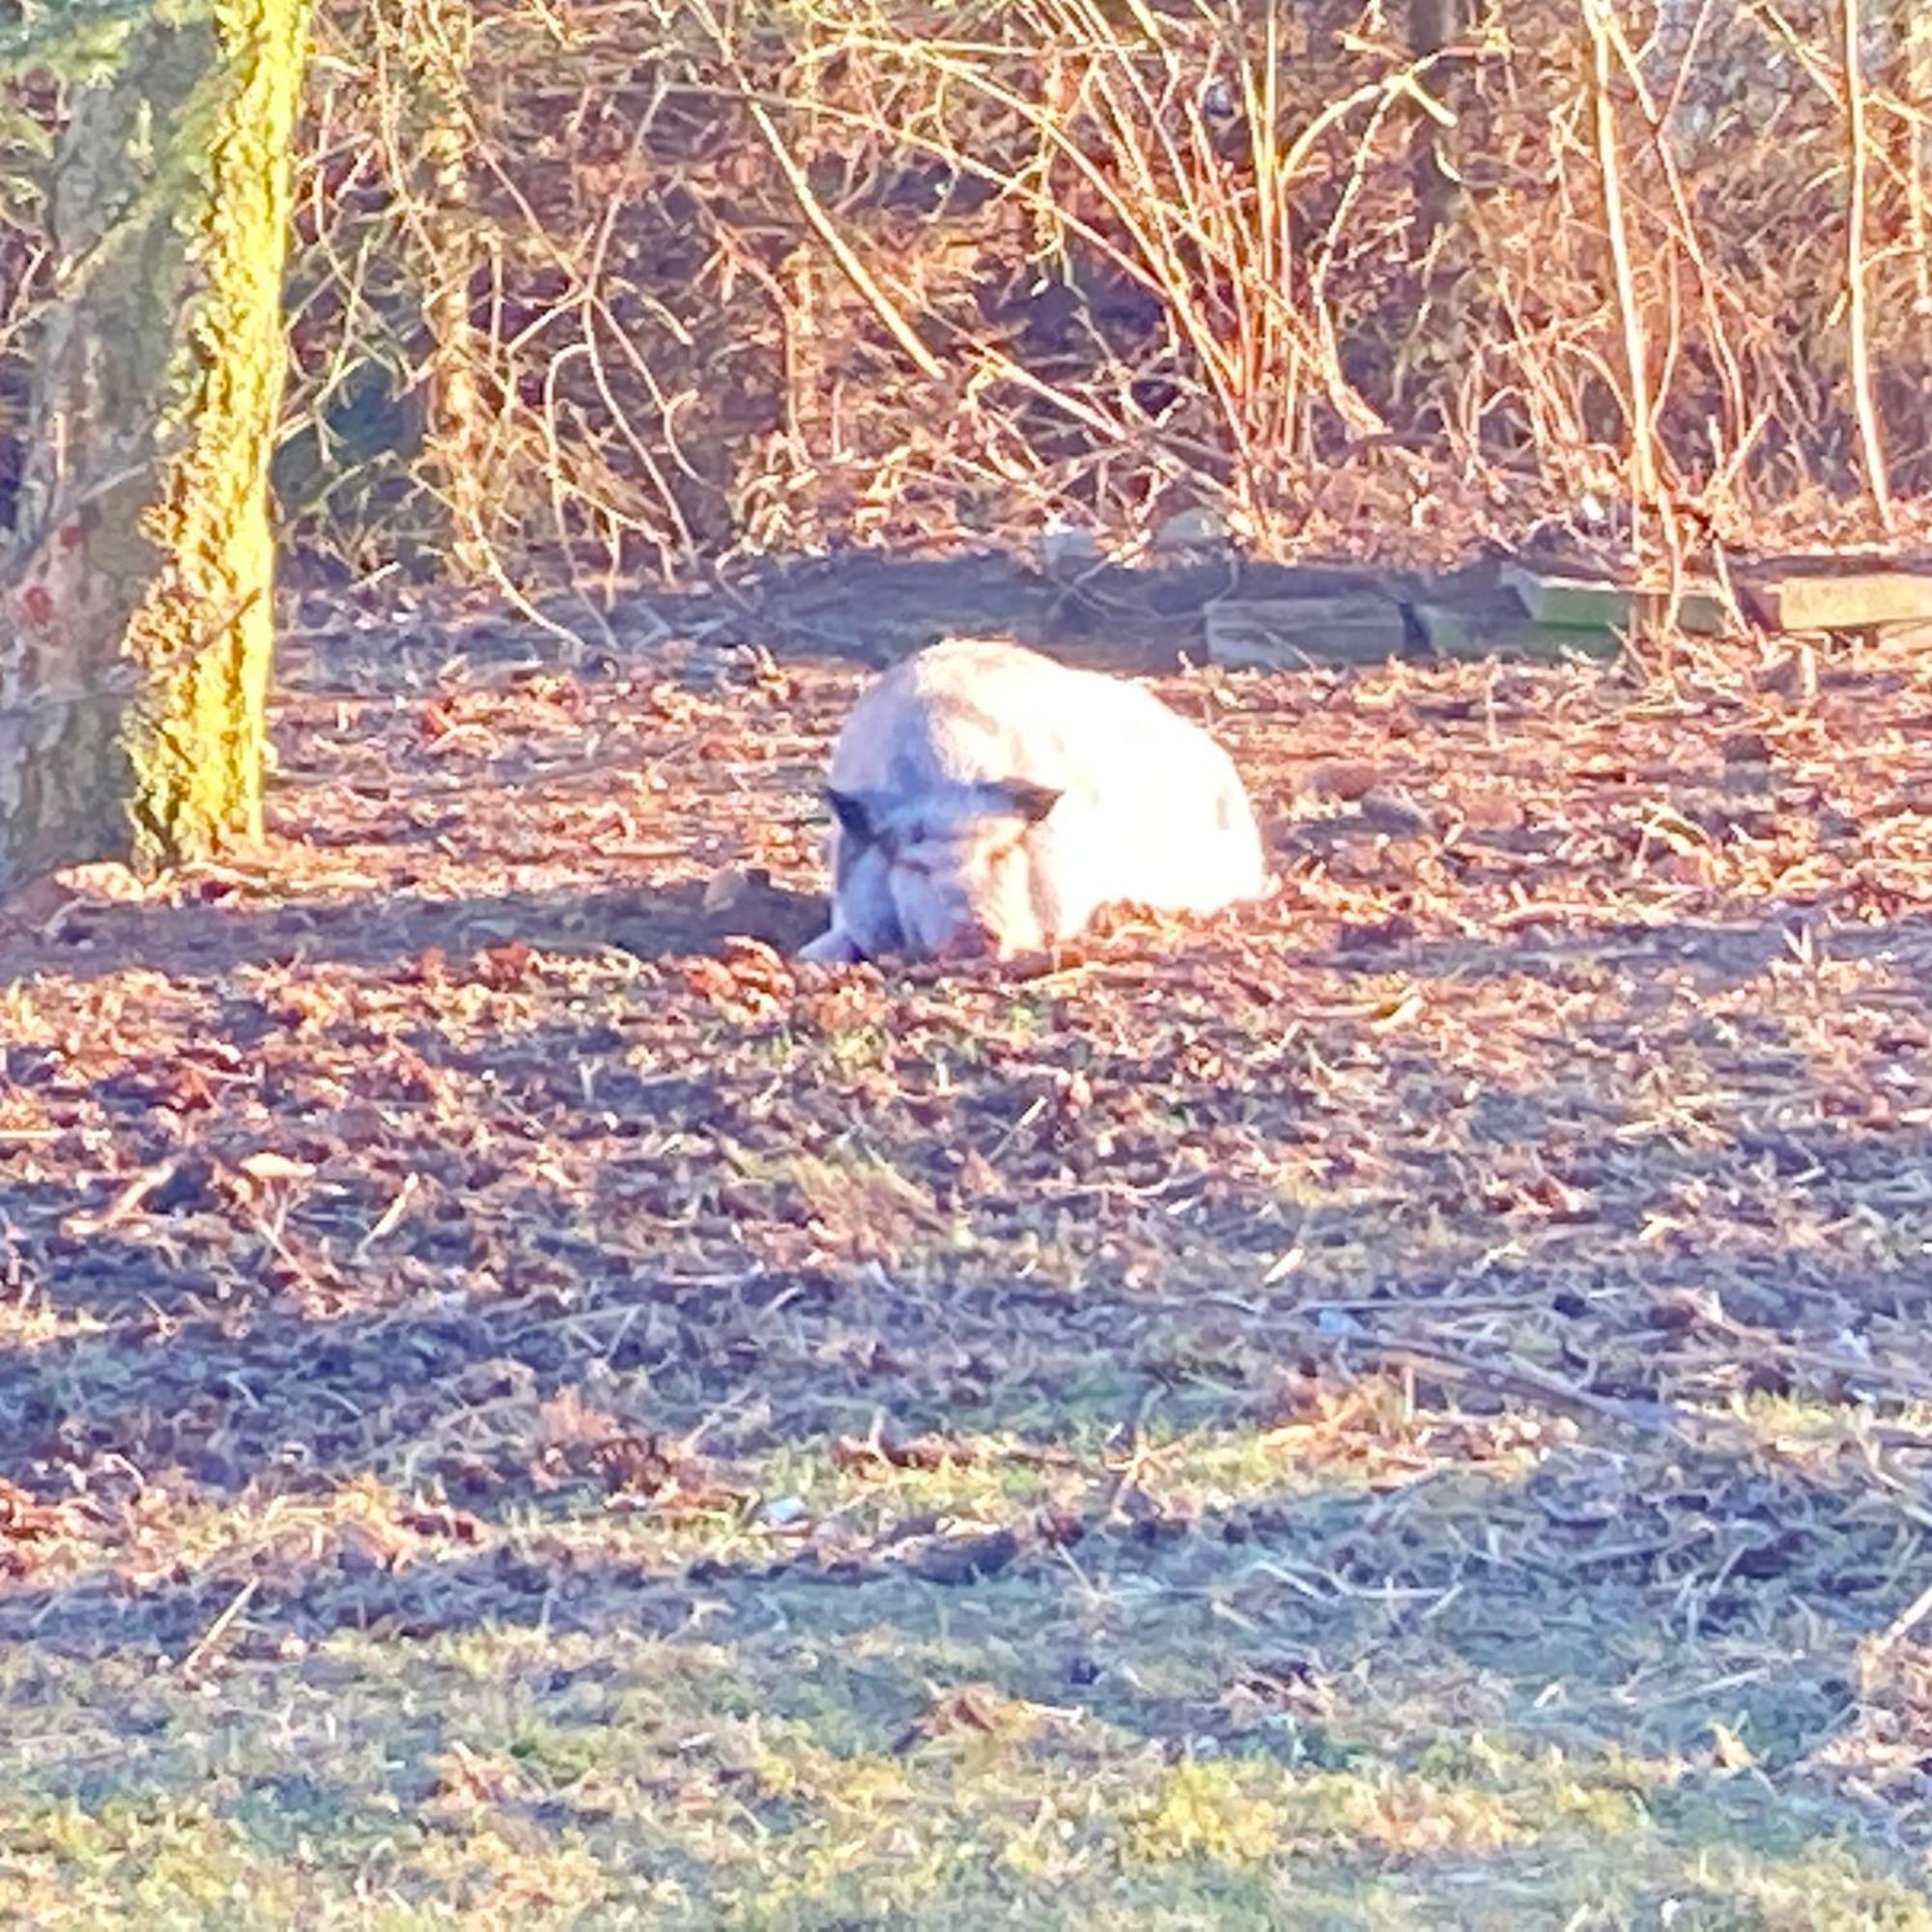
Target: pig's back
[
  {"x": 961, "y": 711},
  {"x": 1154, "y": 810}
]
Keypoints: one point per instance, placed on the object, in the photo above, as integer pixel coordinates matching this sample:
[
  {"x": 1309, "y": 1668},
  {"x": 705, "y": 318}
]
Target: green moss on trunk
[{"x": 135, "y": 665}]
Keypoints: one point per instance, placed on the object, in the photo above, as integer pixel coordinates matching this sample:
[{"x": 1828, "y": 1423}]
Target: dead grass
[
  {"x": 1405, "y": 1410},
  {"x": 612, "y": 289}
]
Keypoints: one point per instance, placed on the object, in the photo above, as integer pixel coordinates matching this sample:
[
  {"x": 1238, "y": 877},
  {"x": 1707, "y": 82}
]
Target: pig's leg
[
  {"x": 832, "y": 947},
  {"x": 865, "y": 921}
]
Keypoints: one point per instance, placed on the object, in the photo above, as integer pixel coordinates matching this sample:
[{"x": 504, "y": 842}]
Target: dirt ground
[{"x": 1404, "y": 1407}]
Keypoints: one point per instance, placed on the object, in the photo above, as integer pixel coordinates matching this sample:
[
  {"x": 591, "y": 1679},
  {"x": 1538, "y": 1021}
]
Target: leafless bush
[{"x": 630, "y": 286}]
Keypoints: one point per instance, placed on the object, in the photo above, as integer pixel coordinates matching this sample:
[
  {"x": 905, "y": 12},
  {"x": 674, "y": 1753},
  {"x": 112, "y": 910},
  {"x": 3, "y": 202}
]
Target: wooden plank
[
  {"x": 1595, "y": 604},
  {"x": 1275, "y": 632},
  {"x": 1857, "y": 601},
  {"x": 1449, "y": 630},
  {"x": 1455, "y": 634},
  {"x": 1291, "y": 633}
]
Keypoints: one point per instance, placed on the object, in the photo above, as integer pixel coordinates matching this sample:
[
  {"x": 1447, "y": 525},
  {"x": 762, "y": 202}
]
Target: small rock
[
  {"x": 1196, "y": 529},
  {"x": 1345, "y": 779},
  {"x": 1794, "y": 677},
  {"x": 1069, "y": 547}
]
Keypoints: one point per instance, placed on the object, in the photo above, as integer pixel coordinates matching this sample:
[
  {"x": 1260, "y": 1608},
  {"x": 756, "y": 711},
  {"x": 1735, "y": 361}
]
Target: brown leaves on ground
[{"x": 486, "y": 1145}]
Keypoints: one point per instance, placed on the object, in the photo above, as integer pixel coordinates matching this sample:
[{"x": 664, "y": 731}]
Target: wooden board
[
  {"x": 1595, "y": 604},
  {"x": 1858, "y": 601},
  {"x": 1276, "y": 632}
]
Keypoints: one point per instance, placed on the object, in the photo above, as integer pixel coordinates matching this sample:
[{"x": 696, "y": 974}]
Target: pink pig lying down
[{"x": 989, "y": 801}]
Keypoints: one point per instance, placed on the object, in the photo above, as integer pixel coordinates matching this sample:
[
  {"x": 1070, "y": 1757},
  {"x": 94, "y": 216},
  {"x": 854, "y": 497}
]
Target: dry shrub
[{"x": 631, "y": 286}]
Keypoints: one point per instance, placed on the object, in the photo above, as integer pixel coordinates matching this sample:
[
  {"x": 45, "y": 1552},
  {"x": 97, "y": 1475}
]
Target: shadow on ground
[
  {"x": 872, "y": 607},
  {"x": 209, "y": 941}
]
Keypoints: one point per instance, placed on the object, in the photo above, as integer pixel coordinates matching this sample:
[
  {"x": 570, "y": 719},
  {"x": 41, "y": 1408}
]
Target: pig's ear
[
  {"x": 1023, "y": 798},
  {"x": 854, "y": 818}
]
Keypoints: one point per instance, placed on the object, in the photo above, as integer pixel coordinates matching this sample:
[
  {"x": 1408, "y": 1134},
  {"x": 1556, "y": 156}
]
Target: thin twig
[{"x": 1857, "y": 324}]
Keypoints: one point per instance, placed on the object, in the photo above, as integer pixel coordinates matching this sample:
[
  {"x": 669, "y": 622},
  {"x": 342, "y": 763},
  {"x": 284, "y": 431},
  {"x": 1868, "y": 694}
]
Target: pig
[{"x": 988, "y": 801}]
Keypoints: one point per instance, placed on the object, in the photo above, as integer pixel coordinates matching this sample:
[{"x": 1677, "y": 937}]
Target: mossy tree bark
[{"x": 136, "y": 627}]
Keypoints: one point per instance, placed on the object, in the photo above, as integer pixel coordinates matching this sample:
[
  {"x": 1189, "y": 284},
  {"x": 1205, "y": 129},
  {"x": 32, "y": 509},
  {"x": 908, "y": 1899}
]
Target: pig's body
[{"x": 990, "y": 801}]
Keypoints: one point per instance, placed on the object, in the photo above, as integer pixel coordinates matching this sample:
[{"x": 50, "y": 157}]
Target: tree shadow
[
  {"x": 1631, "y": 1591},
  {"x": 1652, "y": 1660},
  {"x": 1716, "y": 954},
  {"x": 253, "y": 1354},
  {"x": 211, "y": 1322},
  {"x": 687, "y": 917},
  {"x": 208, "y": 942},
  {"x": 408, "y": 1313},
  {"x": 873, "y": 605}
]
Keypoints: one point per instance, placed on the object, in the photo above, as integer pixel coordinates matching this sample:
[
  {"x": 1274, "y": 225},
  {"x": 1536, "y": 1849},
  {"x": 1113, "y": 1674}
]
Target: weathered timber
[
  {"x": 1273, "y": 632},
  {"x": 1853, "y": 601},
  {"x": 1595, "y": 604}
]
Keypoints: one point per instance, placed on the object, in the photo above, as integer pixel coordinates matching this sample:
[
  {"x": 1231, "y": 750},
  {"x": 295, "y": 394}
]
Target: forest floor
[{"x": 1404, "y": 1407}]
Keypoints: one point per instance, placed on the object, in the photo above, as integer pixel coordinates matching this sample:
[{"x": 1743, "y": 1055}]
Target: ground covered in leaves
[{"x": 1407, "y": 1406}]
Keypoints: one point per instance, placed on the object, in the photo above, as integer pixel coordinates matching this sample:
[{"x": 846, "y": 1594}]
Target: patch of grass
[{"x": 524, "y": 1777}]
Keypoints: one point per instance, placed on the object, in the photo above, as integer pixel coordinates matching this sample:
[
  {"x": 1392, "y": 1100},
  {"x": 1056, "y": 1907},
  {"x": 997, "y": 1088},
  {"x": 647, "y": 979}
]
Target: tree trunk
[{"x": 137, "y": 625}]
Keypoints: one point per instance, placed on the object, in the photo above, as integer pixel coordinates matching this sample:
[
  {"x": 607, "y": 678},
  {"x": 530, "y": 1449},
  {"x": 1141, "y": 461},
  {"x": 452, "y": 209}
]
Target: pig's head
[{"x": 944, "y": 873}]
